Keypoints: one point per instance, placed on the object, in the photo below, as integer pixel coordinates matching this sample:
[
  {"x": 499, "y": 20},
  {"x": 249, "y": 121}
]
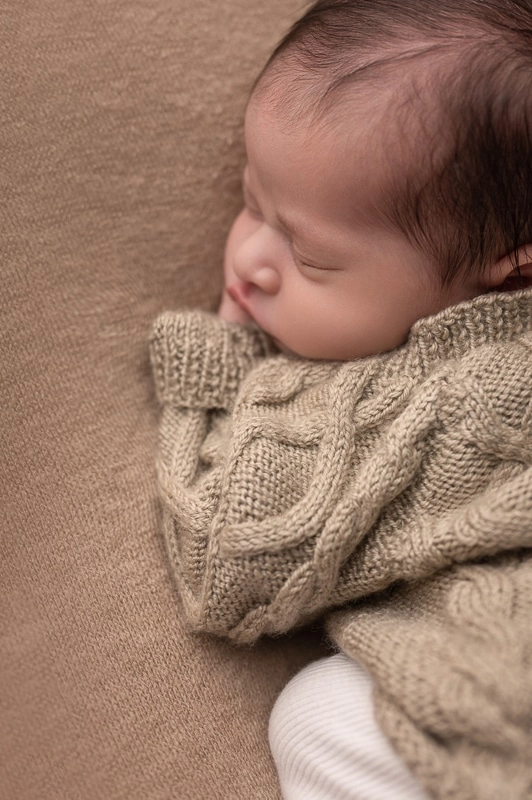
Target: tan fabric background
[{"x": 120, "y": 144}]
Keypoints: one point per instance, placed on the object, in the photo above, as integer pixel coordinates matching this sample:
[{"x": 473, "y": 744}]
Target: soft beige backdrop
[{"x": 121, "y": 153}]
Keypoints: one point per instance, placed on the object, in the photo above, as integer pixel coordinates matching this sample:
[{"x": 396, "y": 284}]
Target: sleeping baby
[{"x": 349, "y": 438}]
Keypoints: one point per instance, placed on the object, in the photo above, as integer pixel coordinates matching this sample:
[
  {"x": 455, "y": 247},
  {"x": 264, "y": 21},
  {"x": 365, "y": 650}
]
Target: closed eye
[
  {"x": 306, "y": 265},
  {"x": 313, "y": 266}
]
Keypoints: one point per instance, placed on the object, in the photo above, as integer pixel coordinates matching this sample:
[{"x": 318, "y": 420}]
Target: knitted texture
[
  {"x": 451, "y": 659},
  {"x": 402, "y": 481}
]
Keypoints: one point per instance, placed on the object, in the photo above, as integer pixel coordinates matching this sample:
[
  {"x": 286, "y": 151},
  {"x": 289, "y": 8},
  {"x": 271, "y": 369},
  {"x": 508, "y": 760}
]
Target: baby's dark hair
[{"x": 467, "y": 201}]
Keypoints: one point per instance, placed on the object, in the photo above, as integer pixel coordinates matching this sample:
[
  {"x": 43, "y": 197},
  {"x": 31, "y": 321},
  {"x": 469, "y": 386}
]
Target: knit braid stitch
[
  {"x": 399, "y": 484},
  {"x": 327, "y": 482}
]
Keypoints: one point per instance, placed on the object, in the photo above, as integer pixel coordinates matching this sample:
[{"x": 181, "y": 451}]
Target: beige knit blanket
[{"x": 397, "y": 488}]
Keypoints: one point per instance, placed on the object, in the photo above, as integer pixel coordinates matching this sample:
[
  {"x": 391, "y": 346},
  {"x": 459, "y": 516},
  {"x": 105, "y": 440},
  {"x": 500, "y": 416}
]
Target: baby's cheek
[{"x": 302, "y": 329}]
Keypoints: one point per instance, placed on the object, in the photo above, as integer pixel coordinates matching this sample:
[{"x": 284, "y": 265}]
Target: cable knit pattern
[{"x": 402, "y": 481}]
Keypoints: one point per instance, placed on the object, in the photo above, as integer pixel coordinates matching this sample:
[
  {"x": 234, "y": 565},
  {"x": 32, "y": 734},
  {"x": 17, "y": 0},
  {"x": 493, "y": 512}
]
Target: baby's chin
[
  {"x": 288, "y": 351},
  {"x": 301, "y": 349},
  {"x": 310, "y": 354},
  {"x": 284, "y": 349},
  {"x": 278, "y": 344}
]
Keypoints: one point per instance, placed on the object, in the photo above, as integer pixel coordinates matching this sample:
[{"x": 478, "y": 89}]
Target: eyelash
[{"x": 306, "y": 265}]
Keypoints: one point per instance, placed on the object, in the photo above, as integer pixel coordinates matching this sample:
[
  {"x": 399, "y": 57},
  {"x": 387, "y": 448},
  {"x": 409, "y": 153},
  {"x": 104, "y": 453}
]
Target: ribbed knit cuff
[{"x": 199, "y": 360}]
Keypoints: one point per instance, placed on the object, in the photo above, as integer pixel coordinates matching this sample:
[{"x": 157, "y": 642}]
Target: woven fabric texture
[{"x": 122, "y": 156}]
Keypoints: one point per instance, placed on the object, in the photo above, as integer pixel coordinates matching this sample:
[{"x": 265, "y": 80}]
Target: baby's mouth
[{"x": 238, "y": 292}]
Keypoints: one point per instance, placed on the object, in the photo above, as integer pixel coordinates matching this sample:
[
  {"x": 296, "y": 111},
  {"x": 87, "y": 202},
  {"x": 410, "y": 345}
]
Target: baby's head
[{"x": 389, "y": 172}]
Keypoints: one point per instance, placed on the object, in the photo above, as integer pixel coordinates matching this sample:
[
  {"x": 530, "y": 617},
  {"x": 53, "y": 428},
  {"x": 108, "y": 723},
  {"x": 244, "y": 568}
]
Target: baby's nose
[
  {"x": 256, "y": 261},
  {"x": 266, "y": 278}
]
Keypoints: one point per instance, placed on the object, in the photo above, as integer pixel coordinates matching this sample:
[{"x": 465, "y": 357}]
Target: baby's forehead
[
  {"x": 349, "y": 168},
  {"x": 389, "y": 115},
  {"x": 381, "y": 142},
  {"x": 379, "y": 85}
]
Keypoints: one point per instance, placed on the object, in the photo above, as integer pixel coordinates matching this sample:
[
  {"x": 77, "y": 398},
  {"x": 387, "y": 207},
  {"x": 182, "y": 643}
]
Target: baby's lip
[{"x": 238, "y": 292}]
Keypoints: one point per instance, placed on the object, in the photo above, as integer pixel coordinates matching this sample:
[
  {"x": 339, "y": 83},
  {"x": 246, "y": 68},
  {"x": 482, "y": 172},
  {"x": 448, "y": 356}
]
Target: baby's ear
[{"x": 513, "y": 271}]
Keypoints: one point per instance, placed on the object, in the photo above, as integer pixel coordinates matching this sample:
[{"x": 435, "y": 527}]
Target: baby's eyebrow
[
  {"x": 294, "y": 228},
  {"x": 287, "y": 225},
  {"x": 290, "y": 227}
]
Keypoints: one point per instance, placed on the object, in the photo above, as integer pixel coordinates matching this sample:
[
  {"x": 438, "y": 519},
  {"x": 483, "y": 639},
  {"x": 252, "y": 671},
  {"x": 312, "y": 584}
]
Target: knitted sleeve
[
  {"x": 199, "y": 363},
  {"x": 200, "y": 360}
]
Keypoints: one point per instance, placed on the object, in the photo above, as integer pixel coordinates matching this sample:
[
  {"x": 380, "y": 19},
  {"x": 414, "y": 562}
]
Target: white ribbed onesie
[{"x": 325, "y": 741}]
